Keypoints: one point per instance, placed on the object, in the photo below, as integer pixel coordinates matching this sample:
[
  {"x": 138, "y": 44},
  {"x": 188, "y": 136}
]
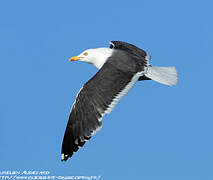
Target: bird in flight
[{"x": 120, "y": 67}]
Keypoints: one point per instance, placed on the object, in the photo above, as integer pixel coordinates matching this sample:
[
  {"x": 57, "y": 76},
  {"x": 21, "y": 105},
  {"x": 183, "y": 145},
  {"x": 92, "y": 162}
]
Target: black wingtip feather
[
  {"x": 65, "y": 158},
  {"x": 69, "y": 145}
]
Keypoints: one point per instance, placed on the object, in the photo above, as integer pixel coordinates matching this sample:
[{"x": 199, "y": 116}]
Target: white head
[{"x": 97, "y": 57}]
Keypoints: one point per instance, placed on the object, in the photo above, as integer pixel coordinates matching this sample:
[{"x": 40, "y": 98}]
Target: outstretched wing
[
  {"x": 97, "y": 97},
  {"x": 131, "y": 49}
]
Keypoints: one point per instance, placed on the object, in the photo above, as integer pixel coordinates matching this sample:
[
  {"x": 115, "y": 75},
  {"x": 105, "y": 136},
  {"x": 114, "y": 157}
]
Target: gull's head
[
  {"x": 97, "y": 57},
  {"x": 85, "y": 56}
]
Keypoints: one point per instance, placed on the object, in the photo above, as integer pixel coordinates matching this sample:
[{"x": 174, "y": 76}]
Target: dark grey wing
[
  {"x": 127, "y": 47},
  {"x": 96, "y": 98},
  {"x": 140, "y": 56}
]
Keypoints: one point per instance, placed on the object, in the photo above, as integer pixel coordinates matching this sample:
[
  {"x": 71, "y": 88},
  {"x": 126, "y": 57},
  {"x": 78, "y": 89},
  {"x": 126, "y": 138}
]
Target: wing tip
[{"x": 64, "y": 157}]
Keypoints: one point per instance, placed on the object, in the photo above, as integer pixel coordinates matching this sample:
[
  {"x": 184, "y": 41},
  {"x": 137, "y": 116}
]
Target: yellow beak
[{"x": 74, "y": 58}]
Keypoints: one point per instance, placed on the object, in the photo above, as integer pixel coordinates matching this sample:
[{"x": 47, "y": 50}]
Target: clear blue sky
[{"x": 155, "y": 132}]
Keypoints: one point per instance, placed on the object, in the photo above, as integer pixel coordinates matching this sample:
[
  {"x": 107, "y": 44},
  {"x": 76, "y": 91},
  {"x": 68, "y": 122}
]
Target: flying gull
[{"x": 120, "y": 67}]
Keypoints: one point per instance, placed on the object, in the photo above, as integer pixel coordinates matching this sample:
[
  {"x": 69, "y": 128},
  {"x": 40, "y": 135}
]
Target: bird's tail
[{"x": 164, "y": 75}]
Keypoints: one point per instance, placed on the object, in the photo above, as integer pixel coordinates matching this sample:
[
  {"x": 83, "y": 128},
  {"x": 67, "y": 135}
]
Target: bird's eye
[{"x": 85, "y": 54}]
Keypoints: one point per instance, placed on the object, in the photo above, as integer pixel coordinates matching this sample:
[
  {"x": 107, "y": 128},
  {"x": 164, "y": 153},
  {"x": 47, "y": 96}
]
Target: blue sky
[{"x": 155, "y": 132}]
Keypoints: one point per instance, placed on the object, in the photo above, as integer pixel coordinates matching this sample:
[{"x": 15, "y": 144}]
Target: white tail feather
[{"x": 164, "y": 75}]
